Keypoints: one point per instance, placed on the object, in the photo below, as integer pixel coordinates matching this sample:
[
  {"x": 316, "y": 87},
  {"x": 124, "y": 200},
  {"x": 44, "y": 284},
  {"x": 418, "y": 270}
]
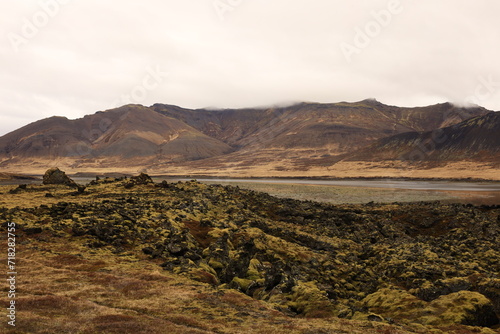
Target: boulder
[
  {"x": 57, "y": 176},
  {"x": 141, "y": 179}
]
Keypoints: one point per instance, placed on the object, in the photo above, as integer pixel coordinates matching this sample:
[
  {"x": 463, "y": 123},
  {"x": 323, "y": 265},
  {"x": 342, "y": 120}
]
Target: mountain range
[{"x": 275, "y": 140}]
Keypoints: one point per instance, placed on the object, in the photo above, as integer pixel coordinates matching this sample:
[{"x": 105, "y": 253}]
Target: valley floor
[
  {"x": 350, "y": 169},
  {"x": 282, "y": 168}
]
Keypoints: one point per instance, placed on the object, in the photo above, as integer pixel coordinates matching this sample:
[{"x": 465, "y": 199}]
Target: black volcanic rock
[
  {"x": 140, "y": 179},
  {"x": 428, "y": 263},
  {"x": 56, "y": 176}
]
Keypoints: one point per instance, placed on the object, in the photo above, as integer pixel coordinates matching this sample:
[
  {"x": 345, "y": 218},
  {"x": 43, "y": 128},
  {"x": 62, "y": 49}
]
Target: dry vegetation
[{"x": 126, "y": 257}]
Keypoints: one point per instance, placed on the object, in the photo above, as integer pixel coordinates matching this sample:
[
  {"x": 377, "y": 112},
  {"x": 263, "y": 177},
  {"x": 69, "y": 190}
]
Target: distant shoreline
[
  {"x": 327, "y": 178},
  {"x": 38, "y": 177}
]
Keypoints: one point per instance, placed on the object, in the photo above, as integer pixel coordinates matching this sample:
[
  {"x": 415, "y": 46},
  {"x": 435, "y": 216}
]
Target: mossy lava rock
[{"x": 57, "y": 176}]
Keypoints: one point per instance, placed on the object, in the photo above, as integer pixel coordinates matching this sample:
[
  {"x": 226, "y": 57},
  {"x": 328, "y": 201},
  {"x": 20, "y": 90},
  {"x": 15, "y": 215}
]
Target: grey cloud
[{"x": 90, "y": 53}]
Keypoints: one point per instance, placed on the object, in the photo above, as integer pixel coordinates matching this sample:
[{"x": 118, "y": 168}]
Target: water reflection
[{"x": 477, "y": 193}]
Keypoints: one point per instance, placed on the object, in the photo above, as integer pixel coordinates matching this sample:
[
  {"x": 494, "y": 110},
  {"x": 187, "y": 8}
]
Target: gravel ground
[{"x": 342, "y": 195}]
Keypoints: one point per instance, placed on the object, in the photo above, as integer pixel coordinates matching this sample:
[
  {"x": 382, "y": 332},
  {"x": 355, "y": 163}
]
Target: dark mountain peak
[
  {"x": 474, "y": 139},
  {"x": 447, "y": 105},
  {"x": 465, "y": 108},
  {"x": 159, "y": 106},
  {"x": 132, "y": 107},
  {"x": 57, "y": 118},
  {"x": 488, "y": 121},
  {"x": 372, "y": 101}
]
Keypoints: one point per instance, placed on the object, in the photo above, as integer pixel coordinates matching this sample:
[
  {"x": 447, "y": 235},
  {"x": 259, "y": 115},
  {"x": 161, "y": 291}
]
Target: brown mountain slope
[
  {"x": 338, "y": 127},
  {"x": 161, "y": 137},
  {"x": 308, "y": 135},
  {"x": 476, "y": 139},
  {"x": 129, "y": 132}
]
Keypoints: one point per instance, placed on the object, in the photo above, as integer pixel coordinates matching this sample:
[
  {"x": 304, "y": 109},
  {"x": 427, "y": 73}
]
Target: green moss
[
  {"x": 217, "y": 233},
  {"x": 310, "y": 301},
  {"x": 253, "y": 275},
  {"x": 341, "y": 254},
  {"x": 241, "y": 283},
  {"x": 203, "y": 265},
  {"x": 458, "y": 308},
  {"x": 253, "y": 272},
  {"x": 362, "y": 316},
  {"x": 393, "y": 303},
  {"x": 215, "y": 264}
]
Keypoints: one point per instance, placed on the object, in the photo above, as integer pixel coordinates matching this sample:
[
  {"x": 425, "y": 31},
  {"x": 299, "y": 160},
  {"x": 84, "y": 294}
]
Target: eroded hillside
[{"x": 161, "y": 138}]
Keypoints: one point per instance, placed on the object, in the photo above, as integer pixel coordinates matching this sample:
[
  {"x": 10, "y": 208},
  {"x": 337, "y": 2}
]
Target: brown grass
[
  {"x": 67, "y": 287},
  {"x": 200, "y": 233}
]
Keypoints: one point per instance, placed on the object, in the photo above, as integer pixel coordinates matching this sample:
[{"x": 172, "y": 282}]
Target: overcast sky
[{"x": 75, "y": 57}]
